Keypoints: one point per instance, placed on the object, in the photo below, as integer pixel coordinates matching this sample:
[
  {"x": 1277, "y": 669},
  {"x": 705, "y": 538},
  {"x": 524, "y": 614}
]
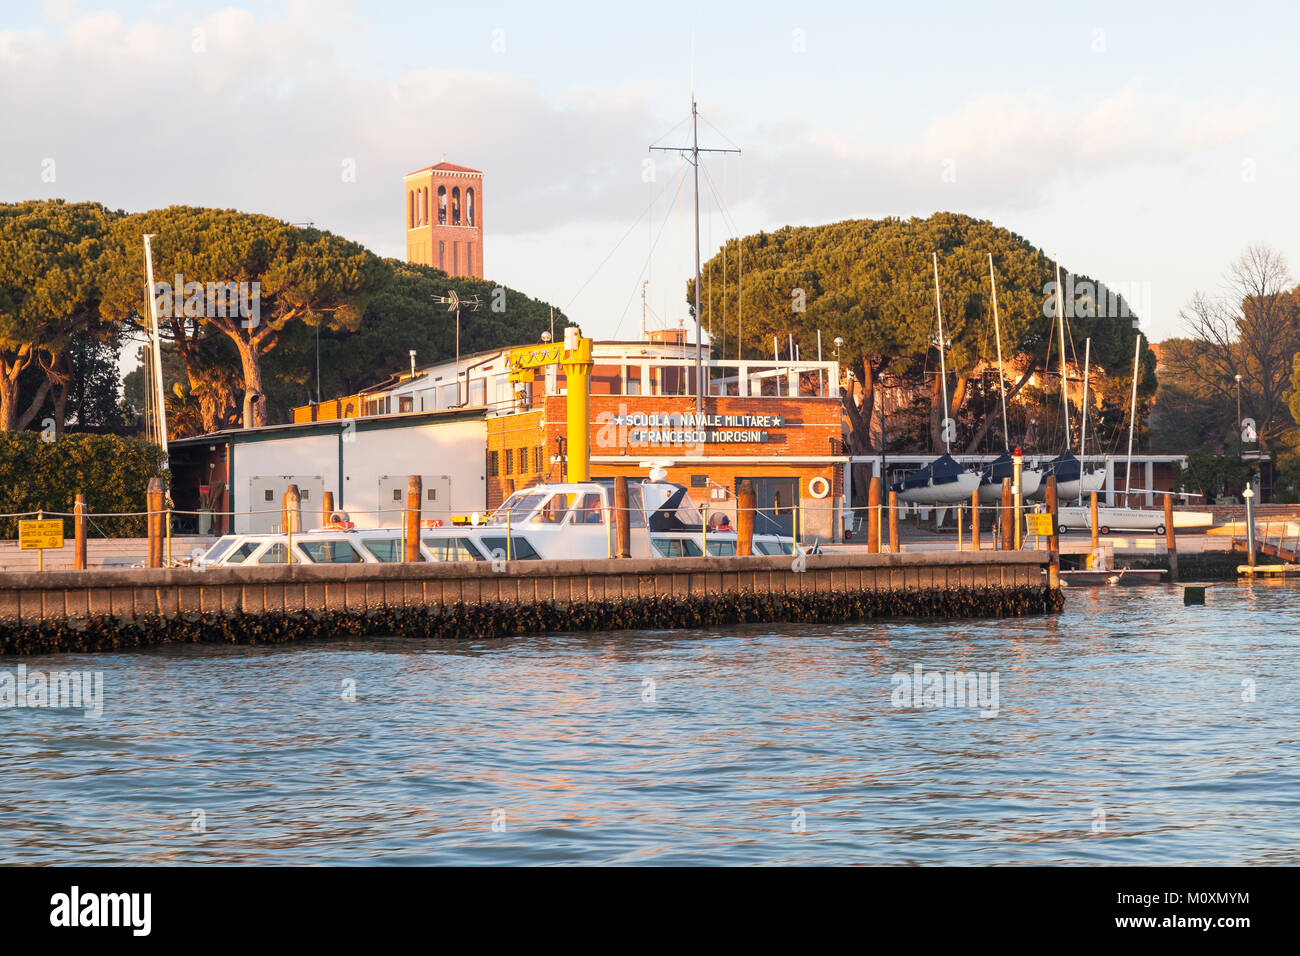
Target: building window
[
  {"x": 442, "y": 205},
  {"x": 537, "y": 458},
  {"x": 424, "y": 206},
  {"x": 410, "y": 212},
  {"x": 442, "y": 256},
  {"x": 455, "y": 258},
  {"x": 469, "y": 207},
  {"x": 404, "y": 404},
  {"x": 469, "y": 258},
  {"x": 510, "y": 461},
  {"x": 455, "y": 205},
  {"x": 523, "y": 460},
  {"x": 494, "y": 464}
]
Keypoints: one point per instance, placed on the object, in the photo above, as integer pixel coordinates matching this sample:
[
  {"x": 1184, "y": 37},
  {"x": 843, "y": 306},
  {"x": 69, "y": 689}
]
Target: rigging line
[
  {"x": 610, "y": 255},
  {"x": 646, "y": 265},
  {"x": 722, "y": 203},
  {"x": 716, "y": 130},
  {"x": 680, "y": 123}
]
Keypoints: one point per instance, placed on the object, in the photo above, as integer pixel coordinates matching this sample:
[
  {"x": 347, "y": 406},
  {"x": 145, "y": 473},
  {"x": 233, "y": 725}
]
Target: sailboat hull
[
  {"x": 1089, "y": 482},
  {"x": 1031, "y": 480},
  {"x": 948, "y": 493}
]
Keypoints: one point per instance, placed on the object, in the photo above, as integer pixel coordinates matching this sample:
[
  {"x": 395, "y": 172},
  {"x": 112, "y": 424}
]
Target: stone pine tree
[{"x": 283, "y": 276}]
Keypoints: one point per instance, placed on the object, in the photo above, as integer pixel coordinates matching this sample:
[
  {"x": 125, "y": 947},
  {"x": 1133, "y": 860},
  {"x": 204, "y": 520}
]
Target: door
[
  {"x": 435, "y": 499},
  {"x": 266, "y": 498},
  {"x": 777, "y": 500}
]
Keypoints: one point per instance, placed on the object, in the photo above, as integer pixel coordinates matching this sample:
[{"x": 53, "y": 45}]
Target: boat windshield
[
  {"x": 678, "y": 513},
  {"x": 516, "y": 508}
]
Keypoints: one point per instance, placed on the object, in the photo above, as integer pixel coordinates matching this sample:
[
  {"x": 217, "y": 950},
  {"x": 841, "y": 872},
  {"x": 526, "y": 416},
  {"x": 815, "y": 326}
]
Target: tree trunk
[{"x": 252, "y": 368}]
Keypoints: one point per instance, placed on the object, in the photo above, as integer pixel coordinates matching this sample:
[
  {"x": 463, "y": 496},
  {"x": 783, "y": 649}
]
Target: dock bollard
[
  {"x": 1092, "y": 516},
  {"x": 622, "y": 526},
  {"x": 154, "y": 504},
  {"x": 1054, "y": 539},
  {"x": 414, "y": 489},
  {"x": 873, "y": 516},
  {"x": 79, "y": 534},
  {"x": 1171, "y": 543},
  {"x": 1005, "y": 516},
  {"x": 746, "y": 504},
  {"x": 893, "y": 523}
]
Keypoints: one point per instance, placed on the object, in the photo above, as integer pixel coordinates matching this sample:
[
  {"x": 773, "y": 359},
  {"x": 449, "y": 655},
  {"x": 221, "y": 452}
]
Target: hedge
[{"x": 40, "y": 474}]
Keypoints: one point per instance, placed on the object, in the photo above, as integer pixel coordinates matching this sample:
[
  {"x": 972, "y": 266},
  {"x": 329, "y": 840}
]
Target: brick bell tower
[{"x": 444, "y": 219}]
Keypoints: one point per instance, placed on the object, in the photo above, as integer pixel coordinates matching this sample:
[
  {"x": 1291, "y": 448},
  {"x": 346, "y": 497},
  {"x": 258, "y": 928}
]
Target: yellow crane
[{"x": 573, "y": 355}]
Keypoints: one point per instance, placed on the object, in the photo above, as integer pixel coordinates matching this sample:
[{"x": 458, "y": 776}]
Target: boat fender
[{"x": 338, "y": 521}]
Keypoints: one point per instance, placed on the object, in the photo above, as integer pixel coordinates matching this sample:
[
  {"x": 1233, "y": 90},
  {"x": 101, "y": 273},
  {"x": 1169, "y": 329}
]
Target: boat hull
[
  {"x": 1131, "y": 519},
  {"x": 1031, "y": 480},
  {"x": 948, "y": 493}
]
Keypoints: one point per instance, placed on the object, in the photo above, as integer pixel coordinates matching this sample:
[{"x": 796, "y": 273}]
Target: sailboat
[
  {"x": 1073, "y": 481},
  {"x": 991, "y": 475},
  {"x": 1126, "y": 518},
  {"x": 944, "y": 480}
]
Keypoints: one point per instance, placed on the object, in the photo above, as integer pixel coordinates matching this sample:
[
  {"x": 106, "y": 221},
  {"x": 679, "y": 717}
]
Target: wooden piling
[
  {"x": 975, "y": 520},
  {"x": 622, "y": 523},
  {"x": 746, "y": 505},
  {"x": 326, "y": 507},
  {"x": 1171, "y": 543},
  {"x": 1092, "y": 518},
  {"x": 1054, "y": 540},
  {"x": 414, "y": 491},
  {"x": 290, "y": 511},
  {"x": 873, "y": 516},
  {"x": 79, "y": 534},
  {"x": 154, "y": 505},
  {"x": 894, "y": 544},
  {"x": 1005, "y": 519}
]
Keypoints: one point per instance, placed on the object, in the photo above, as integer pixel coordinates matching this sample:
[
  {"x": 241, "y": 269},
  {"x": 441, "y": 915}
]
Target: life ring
[
  {"x": 338, "y": 521},
  {"x": 819, "y": 487}
]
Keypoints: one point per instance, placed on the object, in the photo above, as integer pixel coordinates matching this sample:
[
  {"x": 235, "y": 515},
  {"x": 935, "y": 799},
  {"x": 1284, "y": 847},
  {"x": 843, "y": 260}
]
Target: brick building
[{"x": 443, "y": 209}]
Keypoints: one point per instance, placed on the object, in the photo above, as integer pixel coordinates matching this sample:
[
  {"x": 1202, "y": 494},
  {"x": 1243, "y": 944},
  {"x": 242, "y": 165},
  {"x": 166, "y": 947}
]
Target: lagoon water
[{"x": 1125, "y": 733}]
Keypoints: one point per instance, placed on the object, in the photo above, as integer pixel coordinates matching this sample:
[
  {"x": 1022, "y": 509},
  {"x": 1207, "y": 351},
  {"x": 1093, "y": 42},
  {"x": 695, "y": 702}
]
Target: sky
[{"x": 1144, "y": 144}]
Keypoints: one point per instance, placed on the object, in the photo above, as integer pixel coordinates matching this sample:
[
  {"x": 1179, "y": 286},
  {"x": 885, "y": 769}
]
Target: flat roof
[{"x": 329, "y": 426}]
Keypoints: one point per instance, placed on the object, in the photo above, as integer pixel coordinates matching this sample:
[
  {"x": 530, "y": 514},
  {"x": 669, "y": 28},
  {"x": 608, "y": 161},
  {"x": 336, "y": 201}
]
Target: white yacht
[
  {"x": 543, "y": 522},
  {"x": 943, "y": 481}
]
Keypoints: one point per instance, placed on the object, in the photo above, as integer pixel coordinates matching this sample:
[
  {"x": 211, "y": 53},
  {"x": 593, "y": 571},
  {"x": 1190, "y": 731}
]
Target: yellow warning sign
[
  {"x": 1040, "y": 525},
  {"x": 33, "y": 535}
]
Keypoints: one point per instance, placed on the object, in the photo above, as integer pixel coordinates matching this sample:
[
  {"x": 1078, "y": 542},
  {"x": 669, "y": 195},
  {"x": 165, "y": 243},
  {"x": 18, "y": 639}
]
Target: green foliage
[
  {"x": 111, "y": 472},
  {"x": 401, "y": 317},
  {"x": 474, "y": 621}
]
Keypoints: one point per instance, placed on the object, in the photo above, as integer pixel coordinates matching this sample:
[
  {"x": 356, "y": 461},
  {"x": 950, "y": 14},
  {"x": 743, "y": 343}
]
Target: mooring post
[
  {"x": 1016, "y": 486},
  {"x": 1249, "y": 495},
  {"x": 873, "y": 516},
  {"x": 959, "y": 528},
  {"x": 290, "y": 519},
  {"x": 79, "y": 534},
  {"x": 746, "y": 504},
  {"x": 1171, "y": 544},
  {"x": 414, "y": 490},
  {"x": 975, "y": 520},
  {"x": 893, "y": 523},
  {"x": 326, "y": 507},
  {"x": 1054, "y": 539},
  {"x": 622, "y": 524},
  {"x": 1092, "y": 518},
  {"x": 154, "y": 504},
  {"x": 1004, "y": 516}
]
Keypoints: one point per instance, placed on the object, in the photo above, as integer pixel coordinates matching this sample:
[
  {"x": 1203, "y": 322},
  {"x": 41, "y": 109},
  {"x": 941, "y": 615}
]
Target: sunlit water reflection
[{"x": 1122, "y": 736}]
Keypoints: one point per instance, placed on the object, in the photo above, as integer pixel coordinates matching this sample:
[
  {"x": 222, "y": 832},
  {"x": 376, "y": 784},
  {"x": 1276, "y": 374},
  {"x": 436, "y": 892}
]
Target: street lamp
[{"x": 1238, "y": 378}]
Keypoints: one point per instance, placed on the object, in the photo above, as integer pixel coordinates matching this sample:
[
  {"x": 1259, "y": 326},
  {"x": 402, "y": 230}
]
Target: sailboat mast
[
  {"x": 1002, "y": 382},
  {"x": 695, "y": 159},
  {"x": 1083, "y": 424},
  {"x": 1132, "y": 414},
  {"x": 943, "y": 367},
  {"x": 160, "y": 401},
  {"x": 1065, "y": 392}
]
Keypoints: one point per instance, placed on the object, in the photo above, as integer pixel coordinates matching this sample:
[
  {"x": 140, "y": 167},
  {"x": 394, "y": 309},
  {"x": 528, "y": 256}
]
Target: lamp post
[{"x": 1239, "y": 449}]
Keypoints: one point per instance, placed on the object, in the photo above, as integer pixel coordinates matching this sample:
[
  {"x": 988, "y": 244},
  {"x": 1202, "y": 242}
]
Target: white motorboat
[
  {"x": 942, "y": 482},
  {"x": 544, "y": 522},
  {"x": 1151, "y": 521}
]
